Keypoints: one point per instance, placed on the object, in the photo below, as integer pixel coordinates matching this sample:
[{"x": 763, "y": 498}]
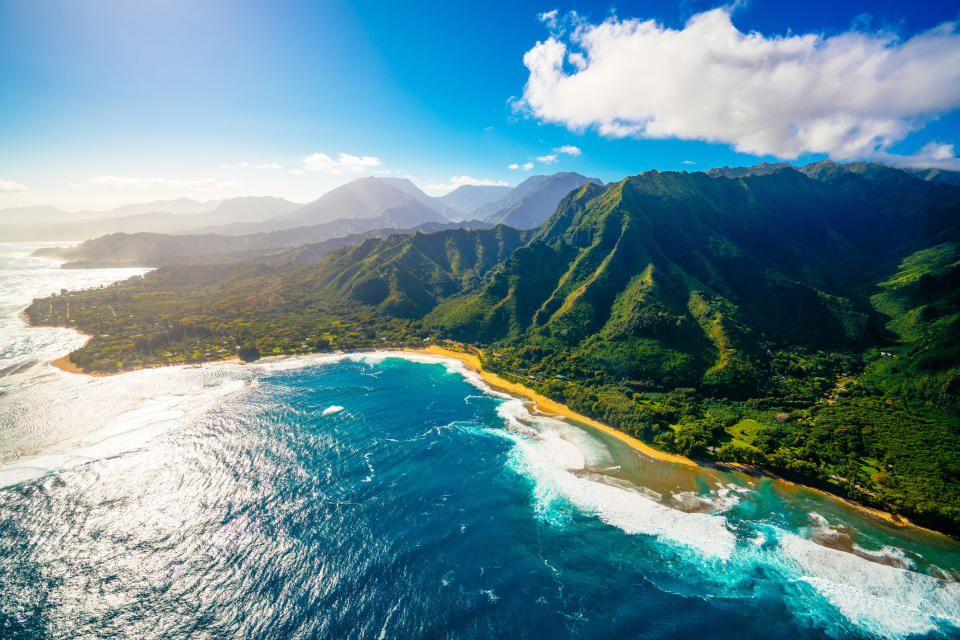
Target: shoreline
[
  {"x": 472, "y": 362},
  {"x": 64, "y": 363},
  {"x": 879, "y": 514},
  {"x": 549, "y": 406}
]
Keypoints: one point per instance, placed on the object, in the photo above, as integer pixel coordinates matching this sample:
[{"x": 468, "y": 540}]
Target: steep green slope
[
  {"x": 407, "y": 276},
  {"x": 672, "y": 263}
]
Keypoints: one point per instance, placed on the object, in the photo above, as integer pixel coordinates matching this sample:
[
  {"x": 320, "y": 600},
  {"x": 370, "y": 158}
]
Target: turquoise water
[{"x": 381, "y": 497}]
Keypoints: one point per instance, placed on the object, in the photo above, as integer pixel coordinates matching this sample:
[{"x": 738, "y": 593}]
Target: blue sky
[{"x": 103, "y": 103}]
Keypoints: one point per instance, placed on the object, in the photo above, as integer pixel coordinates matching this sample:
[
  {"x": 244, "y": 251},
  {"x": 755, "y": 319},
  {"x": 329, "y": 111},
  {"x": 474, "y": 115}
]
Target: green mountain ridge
[{"x": 300, "y": 244}]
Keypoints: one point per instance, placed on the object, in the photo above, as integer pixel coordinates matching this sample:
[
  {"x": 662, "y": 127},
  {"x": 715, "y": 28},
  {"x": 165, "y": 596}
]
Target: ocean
[{"x": 386, "y": 495}]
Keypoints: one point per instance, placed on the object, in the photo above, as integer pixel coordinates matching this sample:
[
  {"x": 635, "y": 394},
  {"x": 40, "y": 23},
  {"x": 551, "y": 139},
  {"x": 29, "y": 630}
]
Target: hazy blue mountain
[
  {"x": 244, "y": 210},
  {"x": 49, "y": 223},
  {"x": 533, "y": 200},
  {"x": 178, "y": 205},
  {"x": 154, "y": 249},
  {"x": 28, "y": 220},
  {"x": 417, "y": 194},
  {"x": 26, "y": 215},
  {"x": 362, "y": 198},
  {"x": 466, "y": 200}
]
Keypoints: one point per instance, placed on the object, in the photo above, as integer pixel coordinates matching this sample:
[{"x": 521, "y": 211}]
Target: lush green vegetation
[
  {"x": 179, "y": 315},
  {"x": 810, "y": 326}
]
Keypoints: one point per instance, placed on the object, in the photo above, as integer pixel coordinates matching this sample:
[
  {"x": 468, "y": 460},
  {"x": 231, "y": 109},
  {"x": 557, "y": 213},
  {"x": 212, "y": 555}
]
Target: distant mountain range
[
  {"x": 362, "y": 206},
  {"x": 171, "y": 216},
  {"x": 532, "y": 201},
  {"x": 383, "y": 201},
  {"x": 50, "y": 215},
  {"x": 301, "y": 244},
  {"x": 395, "y": 200},
  {"x": 467, "y": 199},
  {"x": 828, "y": 169},
  {"x": 386, "y": 202}
]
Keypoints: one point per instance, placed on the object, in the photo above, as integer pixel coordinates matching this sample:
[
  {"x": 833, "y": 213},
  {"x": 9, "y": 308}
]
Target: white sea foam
[
  {"x": 274, "y": 364},
  {"x": 556, "y": 455},
  {"x": 557, "y": 468},
  {"x": 716, "y": 500},
  {"x": 376, "y": 357},
  {"x": 885, "y": 601},
  {"x": 62, "y": 420},
  {"x": 887, "y": 554},
  {"x": 334, "y": 408},
  {"x": 618, "y": 504},
  {"x": 24, "y": 351},
  {"x": 75, "y": 419}
]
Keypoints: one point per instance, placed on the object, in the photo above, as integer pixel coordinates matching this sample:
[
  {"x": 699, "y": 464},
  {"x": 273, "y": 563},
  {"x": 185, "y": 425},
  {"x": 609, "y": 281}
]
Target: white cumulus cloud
[
  {"x": 345, "y": 163},
  {"x": 848, "y": 95},
  {"x": 549, "y": 18},
  {"x": 569, "y": 149},
  {"x": 9, "y": 186},
  {"x": 526, "y": 166},
  {"x": 932, "y": 154},
  {"x": 548, "y": 159}
]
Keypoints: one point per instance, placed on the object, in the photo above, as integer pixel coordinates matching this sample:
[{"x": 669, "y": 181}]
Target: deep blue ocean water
[
  {"x": 370, "y": 496},
  {"x": 384, "y": 498}
]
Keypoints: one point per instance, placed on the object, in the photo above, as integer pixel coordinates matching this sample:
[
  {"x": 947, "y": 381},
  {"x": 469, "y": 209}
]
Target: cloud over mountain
[
  {"x": 9, "y": 186},
  {"x": 849, "y": 95},
  {"x": 440, "y": 188},
  {"x": 569, "y": 150},
  {"x": 345, "y": 163}
]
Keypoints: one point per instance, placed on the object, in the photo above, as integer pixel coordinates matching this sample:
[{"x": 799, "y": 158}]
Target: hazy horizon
[
  {"x": 293, "y": 101},
  {"x": 214, "y": 202}
]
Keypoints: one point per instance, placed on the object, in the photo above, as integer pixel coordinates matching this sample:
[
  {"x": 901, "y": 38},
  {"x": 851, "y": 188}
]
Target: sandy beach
[
  {"x": 546, "y": 405},
  {"x": 66, "y": 364}
]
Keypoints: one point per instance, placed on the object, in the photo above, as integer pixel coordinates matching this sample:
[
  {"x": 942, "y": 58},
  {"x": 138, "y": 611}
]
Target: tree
[{"x": 248, "y": 353}]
